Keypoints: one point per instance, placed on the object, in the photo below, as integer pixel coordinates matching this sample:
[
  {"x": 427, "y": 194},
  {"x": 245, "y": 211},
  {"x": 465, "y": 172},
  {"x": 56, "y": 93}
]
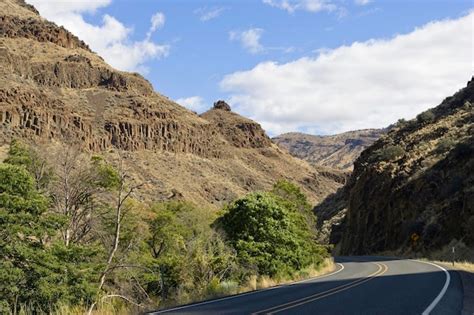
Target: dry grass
[
  {"x": 263, "y": 282},
  {"x": 464, "y": 256},
  {"x": 466, "y": 266},
  {"x": 463, "y": 265},
  {"x": 103, "y": 309}
]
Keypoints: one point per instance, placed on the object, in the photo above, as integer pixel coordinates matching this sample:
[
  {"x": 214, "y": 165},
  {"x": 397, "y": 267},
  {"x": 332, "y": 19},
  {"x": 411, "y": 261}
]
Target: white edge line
[
  {"x": 441, "y": 293},
  {"x": 322, "y": 276},
  {"x": 248, "y": 293}
]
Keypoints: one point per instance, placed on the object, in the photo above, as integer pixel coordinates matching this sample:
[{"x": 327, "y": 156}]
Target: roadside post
[{"x": 454, "y": 253}]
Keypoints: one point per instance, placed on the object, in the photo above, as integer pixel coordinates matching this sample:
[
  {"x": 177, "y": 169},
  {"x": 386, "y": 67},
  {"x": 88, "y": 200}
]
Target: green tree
[
  {"x": 35, "y": 269},
  {"x": 21, "y": 154},
  {"x": 185, "y": 253},
  {"x": 269, "y": 234},
  {"x": 292, "y": 196}
]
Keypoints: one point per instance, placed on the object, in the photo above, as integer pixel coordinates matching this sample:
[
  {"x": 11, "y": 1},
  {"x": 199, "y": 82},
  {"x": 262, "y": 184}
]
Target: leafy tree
[
  {"x": 292, "y": 196},
  {"x": 269, "y": 234},
  {"x": 33, "y": 269},
  {"x": 77, "y": 184},
  {"x": 23, "y": 155},
  {"x": 186, "y": 255}
]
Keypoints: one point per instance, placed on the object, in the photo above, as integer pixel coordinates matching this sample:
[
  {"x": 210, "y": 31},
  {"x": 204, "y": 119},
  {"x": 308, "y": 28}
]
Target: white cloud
[
  {"x": 362, "y": 2},
  {"x": 306, "y": 5},
  {"x": 111, "y": 38},
  {"x": 249, "y": 39},
  {"x": 194, "y": 103},
  {"x": 157, "y": 21},
  {"x": 206, "y": 14},
  {"x": 366, "y": 84}
]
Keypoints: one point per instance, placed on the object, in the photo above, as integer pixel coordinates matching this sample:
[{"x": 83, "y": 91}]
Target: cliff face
[
  {"x": 336, "y": 151},
  {"x": 54, "y": 89},
  {"x": 413, "y": 188}
]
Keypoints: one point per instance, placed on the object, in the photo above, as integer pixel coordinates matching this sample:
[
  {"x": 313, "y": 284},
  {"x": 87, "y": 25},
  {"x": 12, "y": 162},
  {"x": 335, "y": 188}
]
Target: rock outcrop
[
  {"x": 413, "y": 189},
  {"x": 38, "y": 30},
  {"x": 237, "y": 130}
]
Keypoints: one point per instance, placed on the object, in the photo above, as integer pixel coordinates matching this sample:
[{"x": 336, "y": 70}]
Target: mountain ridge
[
  {"x": 337, "y": 151},
  {"x": 54, "y": 90}
]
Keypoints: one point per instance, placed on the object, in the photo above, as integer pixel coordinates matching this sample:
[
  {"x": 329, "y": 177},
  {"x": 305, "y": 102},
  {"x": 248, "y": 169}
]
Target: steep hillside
[
  {"x": 414, "y": 188},
  {"x": 54, "y": 89},
  {"x": 337, "y": 151}
]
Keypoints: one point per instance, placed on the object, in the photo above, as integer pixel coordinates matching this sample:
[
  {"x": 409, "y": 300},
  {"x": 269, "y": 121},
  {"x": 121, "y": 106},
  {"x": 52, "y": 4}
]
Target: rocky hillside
[
  {"x": 55, "y": 90},
  {"x": 414, "y": 188},
  {"x": 337, "y": 151}
]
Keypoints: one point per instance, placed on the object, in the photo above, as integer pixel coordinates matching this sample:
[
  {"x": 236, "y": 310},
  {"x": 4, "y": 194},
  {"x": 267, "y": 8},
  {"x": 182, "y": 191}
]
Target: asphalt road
[{"x": 359, "y": 285}]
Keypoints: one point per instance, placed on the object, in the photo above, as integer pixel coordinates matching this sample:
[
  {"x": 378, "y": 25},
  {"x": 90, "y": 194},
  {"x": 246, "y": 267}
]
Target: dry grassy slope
[
  {"x": 417, "y": 179},
  {"x": 54, "y": 89}
]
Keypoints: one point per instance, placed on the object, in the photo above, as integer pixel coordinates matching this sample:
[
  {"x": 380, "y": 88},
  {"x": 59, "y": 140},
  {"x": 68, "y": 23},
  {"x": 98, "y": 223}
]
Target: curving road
[{"x": 359, "y": 285}]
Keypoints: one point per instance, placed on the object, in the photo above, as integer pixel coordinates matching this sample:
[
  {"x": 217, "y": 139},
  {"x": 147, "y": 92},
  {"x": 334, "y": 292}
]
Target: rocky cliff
[
  {"x": 414, "y": 188},
  {"x": 237, "y": 130},
  {"x": 336, "y": 151},
  {"x": 54, "y": 89}
]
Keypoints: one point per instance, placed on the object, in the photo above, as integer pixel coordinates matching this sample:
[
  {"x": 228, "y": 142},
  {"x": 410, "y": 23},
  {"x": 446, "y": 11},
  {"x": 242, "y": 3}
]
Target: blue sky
[{"x": 263, "y": 56}]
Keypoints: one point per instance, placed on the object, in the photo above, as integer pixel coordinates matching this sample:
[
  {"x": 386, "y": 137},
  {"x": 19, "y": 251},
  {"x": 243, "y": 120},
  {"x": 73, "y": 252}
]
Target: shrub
[
  {"x": 445, "y": 145},
  {"x": 426, "y": 117},
  {"x": 389, "y": 153}
]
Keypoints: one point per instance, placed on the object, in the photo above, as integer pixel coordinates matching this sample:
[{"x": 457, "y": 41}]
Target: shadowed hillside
[{"x": 412, "y": 189}]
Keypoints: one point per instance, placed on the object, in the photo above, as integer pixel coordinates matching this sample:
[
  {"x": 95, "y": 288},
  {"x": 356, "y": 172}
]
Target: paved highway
[{"x": 359, "y": 285}]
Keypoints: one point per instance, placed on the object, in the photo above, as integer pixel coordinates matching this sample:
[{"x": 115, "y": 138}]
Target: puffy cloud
[
  {"x": 306, "y": 5},
  {"x": 194, "y": 103},
  {"x": 110, "y": 38},
  {"x": 366, "y": 84},
  {"x": 249, "y": 39},
  {"x": 206, "y": 14}
]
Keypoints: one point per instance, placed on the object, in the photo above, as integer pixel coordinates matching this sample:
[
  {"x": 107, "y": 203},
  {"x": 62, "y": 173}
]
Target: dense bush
[{"x": 270, "y": 234}]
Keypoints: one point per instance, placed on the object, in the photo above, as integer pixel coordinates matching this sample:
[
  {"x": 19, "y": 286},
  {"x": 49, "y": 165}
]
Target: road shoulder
[{"x": 467, "y": 279}]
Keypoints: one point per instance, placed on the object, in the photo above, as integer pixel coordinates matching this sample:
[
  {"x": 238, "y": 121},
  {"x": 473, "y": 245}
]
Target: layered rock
[
  {"x": 38, "y": 30},
  {"x": 237, "y": 130}
]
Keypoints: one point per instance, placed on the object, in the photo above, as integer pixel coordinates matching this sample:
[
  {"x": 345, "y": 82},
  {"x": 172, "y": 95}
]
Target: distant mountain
[
  {"x": 336, "y": 151},
  {"x": 412, "y": 190},
  {"x": 55, "y": 90}
]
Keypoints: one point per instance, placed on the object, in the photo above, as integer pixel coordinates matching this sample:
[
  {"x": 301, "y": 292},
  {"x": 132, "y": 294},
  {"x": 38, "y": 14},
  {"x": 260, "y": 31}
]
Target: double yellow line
[{"x": 382, "y": 268}]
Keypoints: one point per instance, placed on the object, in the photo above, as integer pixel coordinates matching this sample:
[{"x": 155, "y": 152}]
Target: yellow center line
[{"x": 382, "y": 268}]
